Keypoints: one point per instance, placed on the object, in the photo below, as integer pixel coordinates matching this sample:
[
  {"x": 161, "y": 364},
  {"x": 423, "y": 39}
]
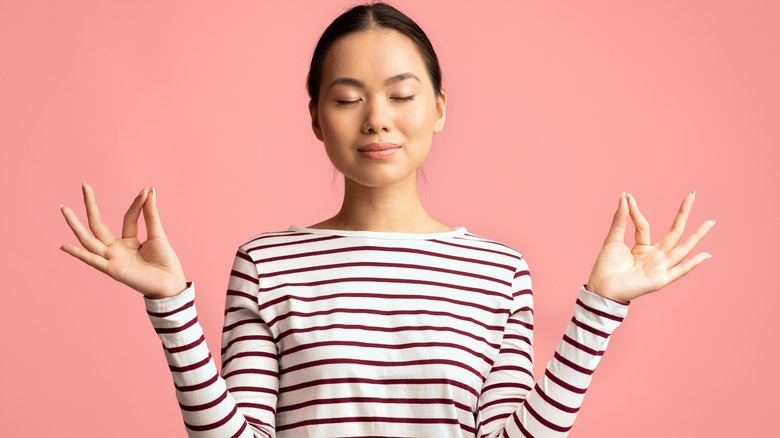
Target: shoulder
[{"x": 490, "y": 246}]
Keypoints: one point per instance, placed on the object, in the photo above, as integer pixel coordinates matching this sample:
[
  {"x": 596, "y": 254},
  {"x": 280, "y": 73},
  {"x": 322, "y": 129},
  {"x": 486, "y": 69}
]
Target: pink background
[{"x": 554, "y": 109}]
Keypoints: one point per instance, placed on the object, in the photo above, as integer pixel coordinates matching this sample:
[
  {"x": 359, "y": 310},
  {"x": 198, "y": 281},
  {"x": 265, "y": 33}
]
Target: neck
[{"x": 395, "y": 208}]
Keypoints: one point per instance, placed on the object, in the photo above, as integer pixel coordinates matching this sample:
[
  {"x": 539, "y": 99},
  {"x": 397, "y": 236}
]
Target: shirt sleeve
[
  {"x": 511, "y": 404},
  {"x": 241, "y": 401}
]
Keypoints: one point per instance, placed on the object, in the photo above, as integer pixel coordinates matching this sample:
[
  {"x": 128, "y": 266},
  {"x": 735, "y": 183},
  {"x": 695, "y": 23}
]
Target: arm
[
  {"x": 241, "y": 402},
  {"x": 508, "y": 403},
  {"x": 511, "y": 403}
]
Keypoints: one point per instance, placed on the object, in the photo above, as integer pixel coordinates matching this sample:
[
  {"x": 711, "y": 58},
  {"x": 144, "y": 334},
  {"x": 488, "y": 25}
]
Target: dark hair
[{"x": 374, "y": 15}]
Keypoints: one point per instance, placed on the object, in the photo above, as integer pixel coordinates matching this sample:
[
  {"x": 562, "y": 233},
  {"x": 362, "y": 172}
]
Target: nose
[{"x": 378, "y": 116}]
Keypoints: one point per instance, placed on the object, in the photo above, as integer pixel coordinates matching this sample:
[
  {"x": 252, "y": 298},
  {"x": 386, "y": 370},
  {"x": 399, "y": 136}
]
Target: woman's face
[{"x": 377, "y": 111}]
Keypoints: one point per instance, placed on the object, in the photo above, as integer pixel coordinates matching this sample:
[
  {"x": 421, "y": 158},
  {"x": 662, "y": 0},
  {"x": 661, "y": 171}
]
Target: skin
[{"x": 381, "y": 195}]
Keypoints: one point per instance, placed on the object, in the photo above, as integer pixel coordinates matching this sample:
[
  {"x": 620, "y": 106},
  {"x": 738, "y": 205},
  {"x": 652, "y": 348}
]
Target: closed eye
[{"x": 404, "y": 99}]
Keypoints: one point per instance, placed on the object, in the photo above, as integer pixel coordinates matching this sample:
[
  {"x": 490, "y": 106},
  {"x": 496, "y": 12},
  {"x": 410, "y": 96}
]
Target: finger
[
  {"x": 154, "y": 229},
  {"x": 130, "y": 223},
  {"x": 682, "y": 251},
  {"x": 87, "y": 257},
  {"x": 670, "y": 239},
  {"x": 96, "y": 224},
  {"x": 87, "y": 240},
  {"x": 687, "y": 266},
  {"x": 641, "y": 225},
  {"x": 617, "y": 231}
]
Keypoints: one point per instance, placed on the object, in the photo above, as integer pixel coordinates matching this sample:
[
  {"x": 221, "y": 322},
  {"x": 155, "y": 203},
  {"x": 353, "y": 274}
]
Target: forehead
[{"x": 374, "y": 54}]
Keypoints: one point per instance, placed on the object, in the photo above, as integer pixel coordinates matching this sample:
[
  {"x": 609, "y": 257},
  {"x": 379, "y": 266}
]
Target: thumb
[{"x": 154, "y": 229}]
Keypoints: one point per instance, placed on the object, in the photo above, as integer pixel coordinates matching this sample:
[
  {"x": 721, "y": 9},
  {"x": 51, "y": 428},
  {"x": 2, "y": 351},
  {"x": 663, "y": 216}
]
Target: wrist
[
  {"x": 592, "y": 289},
  {"x": 171, "y": 292}
]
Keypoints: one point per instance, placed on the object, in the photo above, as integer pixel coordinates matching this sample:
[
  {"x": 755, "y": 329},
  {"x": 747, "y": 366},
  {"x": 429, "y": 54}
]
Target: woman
[{"x": 382, "y": 320}]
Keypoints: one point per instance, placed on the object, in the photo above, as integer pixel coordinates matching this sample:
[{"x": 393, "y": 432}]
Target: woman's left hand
[{"x": 622, "y": 273}]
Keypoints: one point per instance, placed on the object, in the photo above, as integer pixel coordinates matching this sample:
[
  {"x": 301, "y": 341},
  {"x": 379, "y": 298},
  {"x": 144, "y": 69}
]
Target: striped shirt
[{"x": 356, "y": 333}]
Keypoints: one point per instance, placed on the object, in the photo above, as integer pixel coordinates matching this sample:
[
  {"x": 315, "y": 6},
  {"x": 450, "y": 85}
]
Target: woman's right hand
[{"x": 150, "y": 267}]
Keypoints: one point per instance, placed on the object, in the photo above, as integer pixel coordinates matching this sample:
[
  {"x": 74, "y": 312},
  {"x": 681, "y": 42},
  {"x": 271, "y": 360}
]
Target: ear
[
  {"x": 315, "y": 121},
  {"x": 441, "y": 113}
]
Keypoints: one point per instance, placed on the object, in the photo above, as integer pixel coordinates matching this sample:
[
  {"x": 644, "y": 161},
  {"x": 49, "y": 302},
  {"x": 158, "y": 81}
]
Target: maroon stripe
[
  {"x": 380, "y": 363},
  {"x": 506, "y": 400},
  {"x": 527, "y": 325},
  {"x": 476, "y": 248},
  {"x": 310, "y": 268},
  {"x": 172, "y": 312},
  {"x": 197, "y": 386},
  {"x": 544, "y": 421},
  {"x": 517, "y": 338},
  {"x": 520, "y": 427},
  {"x": 513, "y": 368},
  {"x": 294, "y": 242},
  {"x": 234, "y": 389},
  {"x": 497, "y": 417},
  {"x": 338, "y": 420},
  {"x": 288, "y": 297},
  {"x": 181, "y": 328},
  {"x": 242, "y": 429},
  {"x": 523, "y": 273},
  {"x": 262, "y": 338},
  {"x": 190, "y": 367},
  {"x": 256, "y": 406},
  {"x": 446, "y": 286},
  {"x": 525, "y": 354},
  {"x": 572, "y": 365},
  {"x": 307, "y": 346},
  {"x": 272, "y": 234},
  {"x": 382, "y": 382},
  {"x": 284, "y": 316},
  {"x": 240, "y": 294},
  {"x": 213, "y": 425},
  {"x": 204, "y": 406},
  {"x": 383, "y": 249},
  {"x": 250, "y": 371},
  {"x": 599, "y": 312},
  {"x": 186, "y": 347},
  {"x": 243, "y": 255},
  {"x": 382, "y": 400},
  {"x": 584, "y": 348},
  {"x": 522, "y": 292},
  {"x": 230, "y": 327},
  {"x": 504, "y": 385},
  {"x": 563, "y": 384},
  {"x": 249, "y": 354},
  {"x": 554, "y": 402},
  {"x": 243, "y": 276},
  {"x": 588, "y": 328},
  {"x": 384, "y": 329}
]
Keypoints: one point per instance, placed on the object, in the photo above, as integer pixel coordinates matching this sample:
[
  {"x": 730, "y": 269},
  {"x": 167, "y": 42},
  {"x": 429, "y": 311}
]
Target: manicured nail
[
  {"x": 154, "y": 192},
  {"x": 633, "y": 201},
  {"x": 709, "y": 256},
  {"x": 713, "y": 223},
  {"x": 142, "y": 191},
  {"x": 60, "y": 206},
  {"x": 694, "y": 195}
]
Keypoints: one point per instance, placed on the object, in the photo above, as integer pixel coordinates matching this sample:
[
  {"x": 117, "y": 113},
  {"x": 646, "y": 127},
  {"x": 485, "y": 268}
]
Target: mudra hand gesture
[
  {"x": 151, "y": 267},
  {"x": 622, "y": 273}
]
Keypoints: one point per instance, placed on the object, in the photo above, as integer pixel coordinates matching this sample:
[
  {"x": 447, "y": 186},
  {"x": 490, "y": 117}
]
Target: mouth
[
  {"x": 375, "y": 147},
  {"x": 378, "y": 151}
]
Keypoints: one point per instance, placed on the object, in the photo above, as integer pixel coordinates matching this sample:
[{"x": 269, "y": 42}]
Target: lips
[
  {"x": 378, "y": 151},
  {"x": 378, "y": 147}
]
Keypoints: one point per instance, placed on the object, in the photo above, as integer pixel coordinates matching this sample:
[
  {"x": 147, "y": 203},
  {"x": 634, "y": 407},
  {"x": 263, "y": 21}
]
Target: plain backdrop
[{"x": 555, "y": 108}]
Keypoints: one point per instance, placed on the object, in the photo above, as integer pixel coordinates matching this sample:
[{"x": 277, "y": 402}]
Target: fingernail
[
  {"x": 142, "y": 191},
  {"x": 713, "y": 223},
  {"x": 709, "y": 256},
  {"x": 154, "y": 192},
  {"x": 694, "y": 195},
  {"x": 633, "y": 201}
]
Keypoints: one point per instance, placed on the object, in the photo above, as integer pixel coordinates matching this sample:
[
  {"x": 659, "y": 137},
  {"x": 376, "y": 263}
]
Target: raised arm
[
  {"x": 240, "y": 402},
  {"x": 511, "y": 404}
]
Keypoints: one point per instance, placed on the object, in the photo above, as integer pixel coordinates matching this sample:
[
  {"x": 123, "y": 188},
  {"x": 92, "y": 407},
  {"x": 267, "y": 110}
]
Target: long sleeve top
[{"x": 357, "y": 333}]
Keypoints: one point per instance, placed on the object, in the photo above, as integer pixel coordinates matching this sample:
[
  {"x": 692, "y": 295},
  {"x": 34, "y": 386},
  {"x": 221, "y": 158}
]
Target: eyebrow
[{"x": 389, "y": 81}]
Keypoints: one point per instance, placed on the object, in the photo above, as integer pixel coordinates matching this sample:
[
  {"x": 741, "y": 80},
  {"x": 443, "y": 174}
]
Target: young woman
[{"x": 381, "y": 320}]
